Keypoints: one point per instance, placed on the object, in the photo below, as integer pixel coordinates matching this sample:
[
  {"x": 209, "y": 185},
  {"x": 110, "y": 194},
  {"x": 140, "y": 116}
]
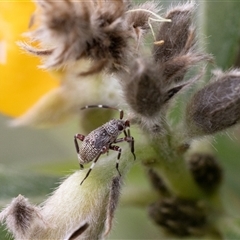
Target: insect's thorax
[{"x": 112, "y": 127}]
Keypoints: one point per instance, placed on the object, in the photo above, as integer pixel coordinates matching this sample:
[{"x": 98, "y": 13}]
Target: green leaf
[{"x": 220, "y": 25}]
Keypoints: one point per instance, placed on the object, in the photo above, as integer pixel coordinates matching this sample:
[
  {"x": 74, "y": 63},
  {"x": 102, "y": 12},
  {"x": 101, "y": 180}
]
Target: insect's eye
[{"x": 120, "y": 127}]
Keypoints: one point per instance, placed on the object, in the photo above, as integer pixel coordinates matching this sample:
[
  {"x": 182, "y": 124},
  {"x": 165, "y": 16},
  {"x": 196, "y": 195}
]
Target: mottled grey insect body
[
  {"x": 99, "y": 138},
  {"x": 102, "y": 139}
]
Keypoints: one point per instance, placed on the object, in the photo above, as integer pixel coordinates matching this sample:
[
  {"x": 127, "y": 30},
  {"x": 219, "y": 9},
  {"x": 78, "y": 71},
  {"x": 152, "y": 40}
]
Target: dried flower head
[
  {"x": 70, "y": 30},
  {"x": 179, "y": 216},
  {"x": 216, "y": 106},
  {"x": 206, "y": 171}
]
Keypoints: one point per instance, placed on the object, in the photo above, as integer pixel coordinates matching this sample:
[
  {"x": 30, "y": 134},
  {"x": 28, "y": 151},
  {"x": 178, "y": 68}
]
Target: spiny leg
[
  {"x": 81, "y": 138},
  {"x": 131, "y": 142},
  {"x": 117, "y": 148},
  {"x": 128, "y": 138},
  {"x": 103, "y": 150}
]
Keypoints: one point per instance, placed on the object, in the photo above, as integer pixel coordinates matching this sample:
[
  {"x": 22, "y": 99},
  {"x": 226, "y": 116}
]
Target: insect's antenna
[
  {"x": 104, "y": 106},
  {"x": 156, "y": 18}
]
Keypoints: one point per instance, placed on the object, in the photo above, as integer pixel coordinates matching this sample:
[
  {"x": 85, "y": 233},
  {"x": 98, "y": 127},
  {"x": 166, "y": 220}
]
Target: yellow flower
[
  {"x": 21, "y": 82},
  {"x": 39, "y": 97}
]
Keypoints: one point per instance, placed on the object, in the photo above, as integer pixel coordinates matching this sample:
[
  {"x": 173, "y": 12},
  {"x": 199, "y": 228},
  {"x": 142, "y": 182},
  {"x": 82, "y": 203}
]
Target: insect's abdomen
[{"x": 93, "y": 144}]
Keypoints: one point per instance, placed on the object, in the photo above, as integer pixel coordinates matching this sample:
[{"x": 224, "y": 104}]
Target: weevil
[{"x": 102, "y": 139}]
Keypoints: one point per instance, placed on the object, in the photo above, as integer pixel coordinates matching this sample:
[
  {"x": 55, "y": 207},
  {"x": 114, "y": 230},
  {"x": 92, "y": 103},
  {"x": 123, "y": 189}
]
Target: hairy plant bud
[
  {"x": 175, "y": 69},
  {"x": 144, "y": 88},
  {"x": 178, "y": 216},
  {"x": 206, "y": 171},
  {"x": 73, "y": 211},
  {"x": 177, "y": 36},
  {"x": 20, "y": 216},
  {"x": 71, "y": 30},
  {"x": 216, "y": 106}
]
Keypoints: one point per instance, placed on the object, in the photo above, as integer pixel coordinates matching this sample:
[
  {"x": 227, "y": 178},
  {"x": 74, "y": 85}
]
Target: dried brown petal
[
  {"x": 216, "y": 106},
  {"x": 112, "y": 204}
]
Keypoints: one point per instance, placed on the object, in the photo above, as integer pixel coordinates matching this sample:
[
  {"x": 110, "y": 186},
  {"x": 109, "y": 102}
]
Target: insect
[{"x": 102, "y": 139}]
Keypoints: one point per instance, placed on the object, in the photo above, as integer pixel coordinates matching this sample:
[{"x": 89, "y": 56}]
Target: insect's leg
[
  {"x": 117, "y": 148},
  {"x": 81, "y": 138},
  {"x": 103, "y": 150},
  {"x": 128, "y": 138},
  {"x": 131, "y": 142}
]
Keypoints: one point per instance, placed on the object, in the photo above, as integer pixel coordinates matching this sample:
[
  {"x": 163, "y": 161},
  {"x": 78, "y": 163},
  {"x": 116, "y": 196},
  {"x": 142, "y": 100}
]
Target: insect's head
[{"x": 122, "y": 125}]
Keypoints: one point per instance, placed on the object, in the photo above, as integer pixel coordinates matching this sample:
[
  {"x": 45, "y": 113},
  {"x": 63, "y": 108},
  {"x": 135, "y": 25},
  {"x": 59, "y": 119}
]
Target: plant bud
[
  {"x": 175, "y": 69},
  {"x": 73, "y": 211},
  {"x": 19, "y": 217},
  {"x": 145, "y": 90},
  {"x": 206, "y": 171},
  {"x": 177, "y": 35},
  {"x": 178, "y": 216},
  {"x": 216, "y": 106},
  {"x": 178, "y": 51}
]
